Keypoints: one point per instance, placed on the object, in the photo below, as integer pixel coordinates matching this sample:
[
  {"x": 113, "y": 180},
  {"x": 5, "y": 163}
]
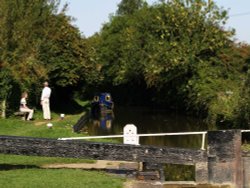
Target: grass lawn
[
  {"x": 70, "y": 178},
  {"x": 26, "y": 172},
  {"x": 38, "y": 128}
]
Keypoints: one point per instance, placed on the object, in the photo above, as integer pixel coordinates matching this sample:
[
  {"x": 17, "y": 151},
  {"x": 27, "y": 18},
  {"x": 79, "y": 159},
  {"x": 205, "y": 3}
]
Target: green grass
[
  {"x": 245, "y": 147},
  {"x": 16, "y": 160},
  {"x": 40, "y": 178},
  {"x": 25, "y": 171},
  {"x": 38, "y": 128}
]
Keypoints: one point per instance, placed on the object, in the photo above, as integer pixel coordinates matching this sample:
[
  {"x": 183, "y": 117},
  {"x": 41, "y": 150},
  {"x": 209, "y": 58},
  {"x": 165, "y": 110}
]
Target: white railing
[
  {"x": 203, "y": 133},
  {"x": 245, "y": 131},
  {"x": 142, "y": 135}
]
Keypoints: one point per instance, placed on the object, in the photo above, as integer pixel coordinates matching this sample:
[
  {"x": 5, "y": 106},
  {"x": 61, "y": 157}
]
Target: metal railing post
[{"x": 203, "y": 141}]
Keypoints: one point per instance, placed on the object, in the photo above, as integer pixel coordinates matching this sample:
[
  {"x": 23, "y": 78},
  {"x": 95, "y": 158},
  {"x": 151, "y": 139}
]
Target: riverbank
[
  {"x": 27, "y": 171},
  {"x": 16, "y": 126}
]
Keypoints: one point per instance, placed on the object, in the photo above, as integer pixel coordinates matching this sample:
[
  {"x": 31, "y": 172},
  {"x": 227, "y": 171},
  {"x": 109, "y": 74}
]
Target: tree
[
  {"x": 38, "y": 42},
  {"x": 243, "y": 110},
  {"x": 163, "y": 40},
  {"x": 173, "y": 47},
  {"x": 70, "y": 58},
  {"x": 243, "y": 117},
  {"x": 128, "y": 7},
  {"x": 23, "y": 27}
]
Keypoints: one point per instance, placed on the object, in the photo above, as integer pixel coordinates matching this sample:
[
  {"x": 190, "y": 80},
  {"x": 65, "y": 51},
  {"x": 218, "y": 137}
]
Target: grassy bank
[
  {"x": 25, "y": 171},
  {"x": 38, "y": 128}
]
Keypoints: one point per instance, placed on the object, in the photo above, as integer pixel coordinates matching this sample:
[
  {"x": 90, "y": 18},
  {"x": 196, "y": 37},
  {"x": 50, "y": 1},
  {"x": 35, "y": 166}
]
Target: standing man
[{"x": 45, "y": 101}]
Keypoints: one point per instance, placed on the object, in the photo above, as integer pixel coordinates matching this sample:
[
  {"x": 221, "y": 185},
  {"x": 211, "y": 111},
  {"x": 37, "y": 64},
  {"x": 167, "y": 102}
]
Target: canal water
[{"x": 149, "y": 121}]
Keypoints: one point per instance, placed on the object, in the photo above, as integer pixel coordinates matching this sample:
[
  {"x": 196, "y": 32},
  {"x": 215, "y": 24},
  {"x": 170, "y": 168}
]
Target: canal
[{"x": 149, "y": 121}]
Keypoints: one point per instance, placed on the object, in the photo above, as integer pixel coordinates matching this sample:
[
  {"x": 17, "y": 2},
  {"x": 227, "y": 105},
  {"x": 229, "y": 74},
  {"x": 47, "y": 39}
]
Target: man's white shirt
[{"x": 46, "y": 93}]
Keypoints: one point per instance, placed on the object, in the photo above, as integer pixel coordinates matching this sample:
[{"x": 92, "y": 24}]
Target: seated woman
[{"x": 24, "y": 107}]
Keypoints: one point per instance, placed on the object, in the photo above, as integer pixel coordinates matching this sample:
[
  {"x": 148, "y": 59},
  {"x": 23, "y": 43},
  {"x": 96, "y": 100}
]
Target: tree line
[{"x": 175, "y": 54}]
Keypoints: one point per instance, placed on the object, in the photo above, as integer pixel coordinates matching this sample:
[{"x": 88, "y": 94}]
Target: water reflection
[
  {"x": 101, "y": 123},
  {"x": 154, "y": 121},
  {"x": 103, "y": 120},
  {"x": 149, "y": 121}
]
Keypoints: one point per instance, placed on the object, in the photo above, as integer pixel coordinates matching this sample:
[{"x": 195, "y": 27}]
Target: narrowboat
[{"x": 102, "y": 103}]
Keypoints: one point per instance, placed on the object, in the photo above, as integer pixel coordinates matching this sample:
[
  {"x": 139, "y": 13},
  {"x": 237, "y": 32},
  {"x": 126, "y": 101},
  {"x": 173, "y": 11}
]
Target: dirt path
[
  {"x": 38, "y": 123},
  {"x": 100, "y": 164},
  {"x": 110, "y": 165},
  {"x": 143, "y": 184}
]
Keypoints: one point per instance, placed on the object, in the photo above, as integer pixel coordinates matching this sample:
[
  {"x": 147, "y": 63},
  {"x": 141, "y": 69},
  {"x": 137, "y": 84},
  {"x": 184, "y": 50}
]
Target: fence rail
[{"x": 203, "y": 133}]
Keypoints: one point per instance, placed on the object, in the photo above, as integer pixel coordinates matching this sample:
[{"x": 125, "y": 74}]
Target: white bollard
[
  {"x": 49, "y": 125},
  {"x": 130, "y": 135},
  {"x": 62, "y": 116}
]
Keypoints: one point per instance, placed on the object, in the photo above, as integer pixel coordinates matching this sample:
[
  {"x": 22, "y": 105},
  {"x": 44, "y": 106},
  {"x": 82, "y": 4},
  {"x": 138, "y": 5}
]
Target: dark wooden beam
[{"x": 99, "y": 151}]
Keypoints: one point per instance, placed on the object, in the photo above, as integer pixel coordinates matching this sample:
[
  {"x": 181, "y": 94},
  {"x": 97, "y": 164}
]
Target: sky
[{"x": 90, "y": 15}]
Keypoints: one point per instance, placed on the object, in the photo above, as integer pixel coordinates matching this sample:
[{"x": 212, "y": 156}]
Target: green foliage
[
  {"x": 175, "y": 52},
  {"x": 5, "y": 83},
  {"x": 22, "y": 31},
  {"x": 179, "y": 172},
  {"x": 63, "y": 54},
  {"x": 183, "y": 54},
  {"x": 216, "y": 87},
  {"x": 39, "y": 43},
  {"x": 129, "y": 6},
  {"x": 245, "y": 147},
  {"x": 162, "y": 42},
  {"x": 179, "y": 48},
  {"x": 243, "y": 112},
  {"x": 22, "y": 26}
]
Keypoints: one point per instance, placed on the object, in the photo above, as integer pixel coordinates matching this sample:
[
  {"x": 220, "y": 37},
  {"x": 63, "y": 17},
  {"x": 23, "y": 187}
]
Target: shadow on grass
[
  {"x": 68, "y": 107},
  {"x": 4, "y": 167}
]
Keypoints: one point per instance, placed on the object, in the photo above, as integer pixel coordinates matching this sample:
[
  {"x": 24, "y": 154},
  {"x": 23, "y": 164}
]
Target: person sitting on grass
[{"x": 24, "y": 107}]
